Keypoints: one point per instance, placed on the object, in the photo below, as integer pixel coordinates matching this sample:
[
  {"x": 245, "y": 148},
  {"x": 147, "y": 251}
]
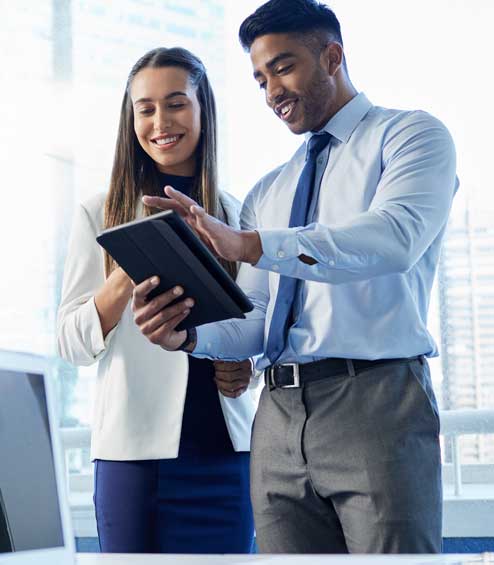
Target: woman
[{"x": 171, "y": 453}]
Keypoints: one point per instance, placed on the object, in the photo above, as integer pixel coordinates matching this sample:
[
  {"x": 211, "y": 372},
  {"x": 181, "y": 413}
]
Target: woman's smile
[{"x": 166, "y": 142}]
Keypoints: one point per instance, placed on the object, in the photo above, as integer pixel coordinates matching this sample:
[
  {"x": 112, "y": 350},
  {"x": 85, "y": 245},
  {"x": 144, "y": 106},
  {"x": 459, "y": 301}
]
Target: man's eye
[
  {"x": 262, "y": 85},
  {"x": 282, "y": 70}
]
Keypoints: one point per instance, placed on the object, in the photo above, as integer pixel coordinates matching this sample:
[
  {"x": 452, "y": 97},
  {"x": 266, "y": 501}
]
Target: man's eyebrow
[
  {"x": 167, "y": 97},
  {"x": 274, "y": 61}
]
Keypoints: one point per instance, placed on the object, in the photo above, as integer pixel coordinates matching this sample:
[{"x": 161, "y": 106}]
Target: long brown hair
[{"x": 134, "y": 172}]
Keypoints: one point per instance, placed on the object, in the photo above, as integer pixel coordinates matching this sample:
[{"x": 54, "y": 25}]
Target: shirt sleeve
[
  {"x": 239, "y": 339},
  {"x": 409, "y": 210},
  {"x": 79, "y": 336}
]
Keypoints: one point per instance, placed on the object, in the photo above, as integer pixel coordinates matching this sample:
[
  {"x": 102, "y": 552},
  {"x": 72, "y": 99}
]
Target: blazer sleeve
[{"x": 79, "y": 336}]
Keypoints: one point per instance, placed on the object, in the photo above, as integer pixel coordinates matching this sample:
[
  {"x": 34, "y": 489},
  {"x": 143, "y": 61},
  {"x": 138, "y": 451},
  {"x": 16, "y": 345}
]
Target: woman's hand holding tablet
[{"x": 157, "y": 318}]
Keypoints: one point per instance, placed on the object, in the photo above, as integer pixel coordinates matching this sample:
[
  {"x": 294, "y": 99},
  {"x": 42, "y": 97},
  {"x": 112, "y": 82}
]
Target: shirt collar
[{"x": 342, "y": 124}]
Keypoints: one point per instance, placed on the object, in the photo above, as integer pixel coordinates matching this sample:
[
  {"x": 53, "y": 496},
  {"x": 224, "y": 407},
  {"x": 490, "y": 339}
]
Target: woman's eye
[
  {"x": 262, "y": 85},
  {"x": 145, "y": 111},
  {"x": 177, "y": 105}
]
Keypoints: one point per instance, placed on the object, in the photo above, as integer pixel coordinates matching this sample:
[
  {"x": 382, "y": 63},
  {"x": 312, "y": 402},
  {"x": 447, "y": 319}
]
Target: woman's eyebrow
[{"x": 167, "y": 97}]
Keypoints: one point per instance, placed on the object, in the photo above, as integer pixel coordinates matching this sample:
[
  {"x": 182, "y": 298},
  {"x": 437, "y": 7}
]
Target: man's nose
[{"x": 274, "y": 91}]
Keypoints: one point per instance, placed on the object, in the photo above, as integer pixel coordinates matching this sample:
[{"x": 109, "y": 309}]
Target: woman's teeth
[{"x": 166, "y": 140}]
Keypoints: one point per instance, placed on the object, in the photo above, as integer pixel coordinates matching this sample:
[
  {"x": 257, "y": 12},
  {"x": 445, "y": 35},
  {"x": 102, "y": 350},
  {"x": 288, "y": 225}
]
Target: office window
[{"x": 64, "y": 65}]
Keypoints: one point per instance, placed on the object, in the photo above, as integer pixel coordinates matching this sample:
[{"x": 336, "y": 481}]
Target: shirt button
[
  {"x": 332, "y": 263},
  {"x": 276, "y": 268},
  {"x": 281, "y": 254},
  {"x": 320, "y": 161}
]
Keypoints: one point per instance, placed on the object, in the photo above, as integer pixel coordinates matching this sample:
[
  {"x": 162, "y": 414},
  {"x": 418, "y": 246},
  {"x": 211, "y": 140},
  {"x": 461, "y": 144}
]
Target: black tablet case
[{"x": 164, "y": 245}]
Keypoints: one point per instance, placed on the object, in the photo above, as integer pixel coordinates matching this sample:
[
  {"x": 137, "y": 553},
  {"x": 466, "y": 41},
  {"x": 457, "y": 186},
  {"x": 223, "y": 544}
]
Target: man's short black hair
[{"x": 290, "y": 16}]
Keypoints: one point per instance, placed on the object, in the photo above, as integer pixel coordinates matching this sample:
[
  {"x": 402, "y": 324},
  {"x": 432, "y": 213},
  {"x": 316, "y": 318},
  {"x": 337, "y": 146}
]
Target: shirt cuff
[
  {"x": 278, "y": 246},
  {"x": 204, "y": 343}
]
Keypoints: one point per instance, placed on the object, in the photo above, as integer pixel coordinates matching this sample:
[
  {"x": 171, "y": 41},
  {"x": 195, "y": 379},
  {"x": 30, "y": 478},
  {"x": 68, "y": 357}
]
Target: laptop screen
[{"x": 29, "y": 505}]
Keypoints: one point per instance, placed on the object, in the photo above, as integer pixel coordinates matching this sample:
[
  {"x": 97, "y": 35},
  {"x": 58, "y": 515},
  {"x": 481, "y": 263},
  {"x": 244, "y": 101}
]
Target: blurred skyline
[{"x": 65, "y": 64}]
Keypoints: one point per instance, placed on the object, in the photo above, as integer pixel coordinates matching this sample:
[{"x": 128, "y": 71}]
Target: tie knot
[{"x": 317, "y": 143}]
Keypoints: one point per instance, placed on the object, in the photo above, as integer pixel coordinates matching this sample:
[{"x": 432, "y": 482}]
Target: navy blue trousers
[{"x": 193, "y": 504}]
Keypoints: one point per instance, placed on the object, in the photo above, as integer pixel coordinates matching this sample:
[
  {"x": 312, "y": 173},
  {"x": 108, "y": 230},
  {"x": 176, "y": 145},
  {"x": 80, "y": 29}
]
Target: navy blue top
[{"x": 203, "y": 426}]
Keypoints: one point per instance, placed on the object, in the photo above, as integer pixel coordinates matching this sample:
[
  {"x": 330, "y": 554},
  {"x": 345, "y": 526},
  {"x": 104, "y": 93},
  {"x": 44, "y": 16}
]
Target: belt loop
[
  {"x": 350, "y": 367},
  {"x": 268, "y": 379}
]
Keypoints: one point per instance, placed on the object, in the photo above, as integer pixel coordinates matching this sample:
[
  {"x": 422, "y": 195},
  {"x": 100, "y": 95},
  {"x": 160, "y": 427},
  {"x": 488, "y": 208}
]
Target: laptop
[{"x": 35, "y": 526}]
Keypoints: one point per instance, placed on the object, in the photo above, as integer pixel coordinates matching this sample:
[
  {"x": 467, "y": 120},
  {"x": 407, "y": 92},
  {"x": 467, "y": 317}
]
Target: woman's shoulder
[
  {"x": 94, "y": 207},
  {"x": 94, "y": 204},
  {"x": 232, "y": 208}
]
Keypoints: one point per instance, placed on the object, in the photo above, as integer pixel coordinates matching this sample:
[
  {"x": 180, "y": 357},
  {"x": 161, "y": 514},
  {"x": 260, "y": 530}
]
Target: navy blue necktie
[{"x": 287, "y": 289}]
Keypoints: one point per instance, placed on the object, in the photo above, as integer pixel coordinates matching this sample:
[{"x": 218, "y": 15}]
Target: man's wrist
[
  {"x": 252, "y": 247},
  {"x": 189, "y": 344}
]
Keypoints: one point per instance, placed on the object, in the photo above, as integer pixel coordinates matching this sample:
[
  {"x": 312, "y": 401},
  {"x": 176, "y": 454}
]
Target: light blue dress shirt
[{"x": 383, "y": 192}]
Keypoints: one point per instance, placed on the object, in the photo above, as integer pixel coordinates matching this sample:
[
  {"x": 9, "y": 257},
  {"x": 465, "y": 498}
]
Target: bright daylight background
[{"x": 63, "y": 67}]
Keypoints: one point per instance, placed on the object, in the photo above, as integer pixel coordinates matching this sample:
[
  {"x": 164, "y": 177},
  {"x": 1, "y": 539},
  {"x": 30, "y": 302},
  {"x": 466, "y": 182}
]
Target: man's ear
[{"x": 332, "y": 56}]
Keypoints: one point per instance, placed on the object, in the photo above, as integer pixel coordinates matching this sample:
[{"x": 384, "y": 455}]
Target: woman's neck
[{"x": 184, "y": 169}]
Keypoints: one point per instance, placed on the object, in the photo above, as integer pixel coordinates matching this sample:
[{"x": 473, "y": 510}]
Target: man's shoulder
[{"x": 392, "y": 120}]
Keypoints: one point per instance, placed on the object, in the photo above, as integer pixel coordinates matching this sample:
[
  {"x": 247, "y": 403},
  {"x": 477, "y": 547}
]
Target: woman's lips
[{"x": 166, "y": 142}]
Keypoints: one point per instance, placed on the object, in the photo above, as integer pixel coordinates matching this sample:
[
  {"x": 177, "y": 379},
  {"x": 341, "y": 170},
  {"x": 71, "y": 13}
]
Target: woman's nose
[{"x": 162, "y": 121}]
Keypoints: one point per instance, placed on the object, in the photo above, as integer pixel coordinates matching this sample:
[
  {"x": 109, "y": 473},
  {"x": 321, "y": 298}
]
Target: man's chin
[{"x": 297, "y": 128}]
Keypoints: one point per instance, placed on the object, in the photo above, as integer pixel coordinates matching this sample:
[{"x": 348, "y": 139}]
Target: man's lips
[
  {"x": 285, "y": 109},
  {"x": 167, "y": 141}
]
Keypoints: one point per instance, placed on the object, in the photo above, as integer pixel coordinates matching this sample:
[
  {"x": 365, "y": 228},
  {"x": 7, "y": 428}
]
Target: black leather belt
[{"x": 294, "y": 375}]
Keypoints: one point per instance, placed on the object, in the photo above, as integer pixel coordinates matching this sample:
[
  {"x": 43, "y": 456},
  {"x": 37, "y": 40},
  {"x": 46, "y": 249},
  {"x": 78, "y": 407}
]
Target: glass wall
[{"x": 64, "y": 64}]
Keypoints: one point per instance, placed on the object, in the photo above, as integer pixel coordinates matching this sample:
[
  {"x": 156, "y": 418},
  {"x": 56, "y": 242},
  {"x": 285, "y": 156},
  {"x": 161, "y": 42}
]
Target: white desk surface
[{"x": 126, "y": 559}]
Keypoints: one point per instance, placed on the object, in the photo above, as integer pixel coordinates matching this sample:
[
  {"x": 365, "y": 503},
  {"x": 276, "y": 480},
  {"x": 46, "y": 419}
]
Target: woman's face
[{"x": 167, "y": 118}]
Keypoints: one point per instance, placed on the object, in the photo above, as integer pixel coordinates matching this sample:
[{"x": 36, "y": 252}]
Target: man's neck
[{"x": 346, "y": 93}]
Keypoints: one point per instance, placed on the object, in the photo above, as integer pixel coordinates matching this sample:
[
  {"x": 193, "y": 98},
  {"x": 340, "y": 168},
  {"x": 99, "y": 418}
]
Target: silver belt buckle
[{"x": 295, "y": 373}]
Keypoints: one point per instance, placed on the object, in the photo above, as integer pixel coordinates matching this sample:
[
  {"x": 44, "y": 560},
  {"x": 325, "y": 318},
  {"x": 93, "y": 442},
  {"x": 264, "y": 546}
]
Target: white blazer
[{"x": 140, "y": 389}]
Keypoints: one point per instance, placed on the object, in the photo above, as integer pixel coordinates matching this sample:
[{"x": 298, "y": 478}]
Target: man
[{"x": 339, "y": 251}]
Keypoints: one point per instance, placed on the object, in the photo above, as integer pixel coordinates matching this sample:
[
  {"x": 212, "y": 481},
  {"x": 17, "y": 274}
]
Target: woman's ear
[{"x": 332, "y": 57}]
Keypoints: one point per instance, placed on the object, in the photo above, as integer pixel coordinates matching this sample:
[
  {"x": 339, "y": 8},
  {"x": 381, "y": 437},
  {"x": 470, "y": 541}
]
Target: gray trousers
[{"x": 349, "y": 464}]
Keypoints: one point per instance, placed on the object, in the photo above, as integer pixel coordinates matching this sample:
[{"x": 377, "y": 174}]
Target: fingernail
[
  {"x": 189, "y": 302},
  {"x": 155, "y": 281},
  {"x": 177, "y": 291},
  {"x": 185, "y": 312}
]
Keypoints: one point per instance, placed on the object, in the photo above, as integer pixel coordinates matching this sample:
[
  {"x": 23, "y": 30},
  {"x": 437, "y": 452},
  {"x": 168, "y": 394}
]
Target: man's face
[{"x": 297, "y": 86}]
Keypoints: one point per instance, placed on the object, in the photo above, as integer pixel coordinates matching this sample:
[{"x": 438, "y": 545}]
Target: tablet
[{"x": 164, "y": 245}]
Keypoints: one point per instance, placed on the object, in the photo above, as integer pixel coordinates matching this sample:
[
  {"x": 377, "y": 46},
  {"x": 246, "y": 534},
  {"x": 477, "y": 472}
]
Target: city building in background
[
  {"x": 63, "y": 70},
  {"x": 466, "y": 298},
  {"x": 80, "y": 54},
  {"x": 67, "y": 63}
]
